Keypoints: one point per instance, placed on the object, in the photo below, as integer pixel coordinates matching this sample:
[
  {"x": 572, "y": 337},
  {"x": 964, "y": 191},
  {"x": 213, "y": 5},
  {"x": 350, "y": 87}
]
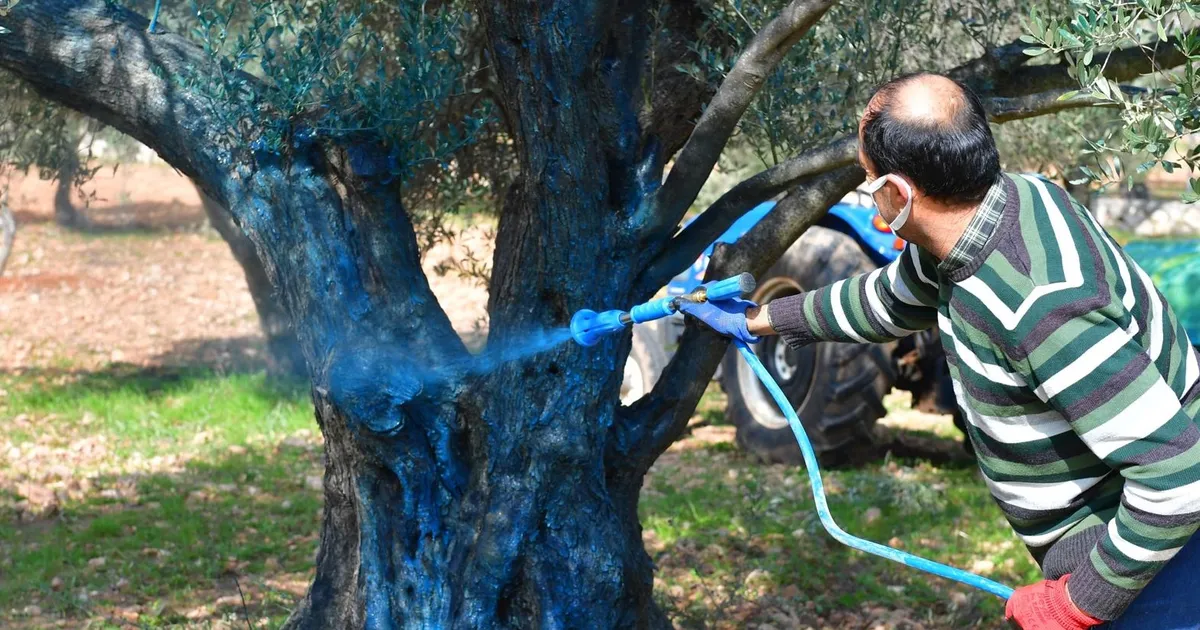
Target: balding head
[
  {"x": 934, "y": 131},
  {"x": 927, "y": 99}
]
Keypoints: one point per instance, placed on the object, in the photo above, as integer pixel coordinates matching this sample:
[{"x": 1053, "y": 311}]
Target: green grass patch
[
  {"x": 164, "y": 411},
  {"x": 232, "y": 500}
]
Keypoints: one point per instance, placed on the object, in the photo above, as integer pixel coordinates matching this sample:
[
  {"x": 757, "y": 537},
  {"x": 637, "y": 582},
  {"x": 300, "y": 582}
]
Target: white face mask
[{"x": 901, "y": 218}]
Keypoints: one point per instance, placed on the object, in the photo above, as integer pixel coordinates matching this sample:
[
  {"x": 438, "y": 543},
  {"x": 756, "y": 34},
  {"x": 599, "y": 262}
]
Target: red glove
[{"x": 1046, "y": 606}]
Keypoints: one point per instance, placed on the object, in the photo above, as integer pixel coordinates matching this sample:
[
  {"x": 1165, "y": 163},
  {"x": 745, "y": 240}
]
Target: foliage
[
  {"x": 1052, "y": 144},
  {"x": 330, "y": 76},
  {"x": 36, "y": 134},
  {"x": 1160, "y": 110},
  {"x": 818, "y": 92}
]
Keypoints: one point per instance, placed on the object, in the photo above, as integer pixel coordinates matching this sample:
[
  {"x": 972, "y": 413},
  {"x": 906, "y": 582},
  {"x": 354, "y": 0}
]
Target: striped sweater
[{"x": 1078, "y": 383}]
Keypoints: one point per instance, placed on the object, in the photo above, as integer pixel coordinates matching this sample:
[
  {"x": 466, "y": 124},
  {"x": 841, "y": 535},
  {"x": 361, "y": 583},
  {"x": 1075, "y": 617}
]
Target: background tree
[
  {"x": 500, "y": 489},
  {"x": 8, "y": 230}
]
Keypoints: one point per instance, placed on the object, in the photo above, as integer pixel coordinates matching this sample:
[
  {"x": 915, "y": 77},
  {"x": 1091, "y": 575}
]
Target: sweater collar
[{"x": 981, "y": 228}]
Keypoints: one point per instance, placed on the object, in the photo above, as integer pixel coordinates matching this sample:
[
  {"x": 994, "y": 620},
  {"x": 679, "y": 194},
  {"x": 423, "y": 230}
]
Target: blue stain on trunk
[{"x": 379, "y": 379}]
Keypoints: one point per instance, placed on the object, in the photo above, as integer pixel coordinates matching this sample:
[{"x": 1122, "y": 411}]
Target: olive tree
[{"x": 498, "y": 489}]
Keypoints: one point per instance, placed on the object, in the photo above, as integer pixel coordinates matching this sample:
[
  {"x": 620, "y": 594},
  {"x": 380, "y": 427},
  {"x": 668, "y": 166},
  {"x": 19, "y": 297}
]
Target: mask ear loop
[{"x": 906, "y": 211}]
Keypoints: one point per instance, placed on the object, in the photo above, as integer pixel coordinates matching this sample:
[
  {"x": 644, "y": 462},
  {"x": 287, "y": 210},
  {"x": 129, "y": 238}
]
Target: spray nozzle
[{"x": 588, "y": 326}]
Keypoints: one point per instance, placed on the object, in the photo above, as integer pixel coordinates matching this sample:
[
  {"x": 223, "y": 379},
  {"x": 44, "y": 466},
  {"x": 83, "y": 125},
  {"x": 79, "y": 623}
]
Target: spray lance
[{"x": 589, "y": 327}]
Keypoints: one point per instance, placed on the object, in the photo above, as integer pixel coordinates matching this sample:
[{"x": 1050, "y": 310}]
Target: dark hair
[{"x": 953, "y": 160}]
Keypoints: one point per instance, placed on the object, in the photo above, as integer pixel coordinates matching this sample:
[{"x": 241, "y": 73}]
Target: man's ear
[{"x": 901, "y": 193}]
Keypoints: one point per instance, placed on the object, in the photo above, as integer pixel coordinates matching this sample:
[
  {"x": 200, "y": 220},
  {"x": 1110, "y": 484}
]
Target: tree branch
[
  {"x": 700, "y": 233},
  {"x": 1002, "y": 110},
  {"x": 697, "y": 158},
  {"x": 1004, "y": 72},
  {"x": 306, "y": 215},
  {"x": 97, "y": 58}
]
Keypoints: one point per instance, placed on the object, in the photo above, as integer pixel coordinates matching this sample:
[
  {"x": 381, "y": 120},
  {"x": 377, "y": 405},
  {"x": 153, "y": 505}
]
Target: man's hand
[
  {"x": 1047, "y": 606},
  {"x": 727, "y": 317}
]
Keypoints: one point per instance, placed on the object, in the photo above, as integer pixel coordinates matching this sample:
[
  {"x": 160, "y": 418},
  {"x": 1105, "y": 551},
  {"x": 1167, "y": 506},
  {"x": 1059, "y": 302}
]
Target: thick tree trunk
[
  {"x": 285, "y": 361},
  {"x": 503, "y": 513}
]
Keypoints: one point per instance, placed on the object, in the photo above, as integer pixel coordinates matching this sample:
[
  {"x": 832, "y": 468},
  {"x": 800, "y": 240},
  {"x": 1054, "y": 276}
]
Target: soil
[{"x": 146, "y": 282}]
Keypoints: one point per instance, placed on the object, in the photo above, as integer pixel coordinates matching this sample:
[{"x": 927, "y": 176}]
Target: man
[{"x": 1079, "y": 385}]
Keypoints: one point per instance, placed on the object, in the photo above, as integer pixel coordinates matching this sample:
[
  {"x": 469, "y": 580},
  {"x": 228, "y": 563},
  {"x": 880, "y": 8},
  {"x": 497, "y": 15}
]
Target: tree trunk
[
  {"x": 285, "y": 361},
  {"x": 8, "y": 231},
  {"x": 496, "y": 509},
  {"x": 65, "y": 213}
]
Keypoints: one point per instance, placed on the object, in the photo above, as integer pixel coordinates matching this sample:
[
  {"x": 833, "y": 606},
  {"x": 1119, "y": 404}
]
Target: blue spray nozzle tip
[{"x": 588, "y": 327}]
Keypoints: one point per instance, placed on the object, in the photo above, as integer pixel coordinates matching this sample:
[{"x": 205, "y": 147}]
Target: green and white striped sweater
[{"x": 1077, "y": 380}]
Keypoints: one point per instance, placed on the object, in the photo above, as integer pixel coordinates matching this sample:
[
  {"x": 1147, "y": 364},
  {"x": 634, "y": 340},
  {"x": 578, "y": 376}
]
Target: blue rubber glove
[{"x": 727, "y": 317}]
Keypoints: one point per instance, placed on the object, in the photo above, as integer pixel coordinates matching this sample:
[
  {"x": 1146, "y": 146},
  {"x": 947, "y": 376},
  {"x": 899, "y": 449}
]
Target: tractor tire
[
  {"x": 647, "y": 359},
  {"x": 837, "y": 389}
]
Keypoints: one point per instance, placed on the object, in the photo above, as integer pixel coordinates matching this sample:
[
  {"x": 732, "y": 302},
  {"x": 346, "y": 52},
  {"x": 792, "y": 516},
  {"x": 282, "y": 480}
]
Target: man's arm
[
  {"x": 1105, "y": 385},
  {"x": 884, "y": 305}
]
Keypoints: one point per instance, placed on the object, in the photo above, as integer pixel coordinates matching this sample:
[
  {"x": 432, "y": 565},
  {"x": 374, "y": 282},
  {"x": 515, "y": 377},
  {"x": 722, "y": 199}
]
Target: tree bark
[{"x": 573, "y": 555}]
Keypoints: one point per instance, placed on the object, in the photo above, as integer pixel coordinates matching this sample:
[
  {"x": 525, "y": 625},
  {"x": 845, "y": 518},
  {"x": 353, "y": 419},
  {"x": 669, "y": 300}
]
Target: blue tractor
[{"x": 838, "y": 389}]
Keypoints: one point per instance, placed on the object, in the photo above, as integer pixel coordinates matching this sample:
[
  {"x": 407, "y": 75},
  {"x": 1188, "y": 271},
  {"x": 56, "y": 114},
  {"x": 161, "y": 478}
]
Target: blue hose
[
  {"x": 154, "y": 18},
  {"x": 818, "y": 488}
]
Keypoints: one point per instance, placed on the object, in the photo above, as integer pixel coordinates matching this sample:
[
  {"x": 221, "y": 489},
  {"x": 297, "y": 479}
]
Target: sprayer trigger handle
[{"x": 728, "y": 288}]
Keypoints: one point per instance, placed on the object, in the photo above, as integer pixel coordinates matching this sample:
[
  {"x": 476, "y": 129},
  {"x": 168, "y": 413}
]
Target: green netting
[{"x": 1175, "y": 268}]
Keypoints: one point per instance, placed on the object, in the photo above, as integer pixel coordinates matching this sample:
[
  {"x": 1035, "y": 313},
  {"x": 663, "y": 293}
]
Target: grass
[
  {"x": 190, "y": 485},
  {"x": 202, "y": 484},
  {"x": 733, "y": 534},
  {"x": 160, "y": 410}
]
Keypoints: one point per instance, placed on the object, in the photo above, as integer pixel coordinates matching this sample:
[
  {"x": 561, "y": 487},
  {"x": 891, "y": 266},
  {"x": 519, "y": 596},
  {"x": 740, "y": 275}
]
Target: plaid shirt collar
[{"x": 978, "y": 231}]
